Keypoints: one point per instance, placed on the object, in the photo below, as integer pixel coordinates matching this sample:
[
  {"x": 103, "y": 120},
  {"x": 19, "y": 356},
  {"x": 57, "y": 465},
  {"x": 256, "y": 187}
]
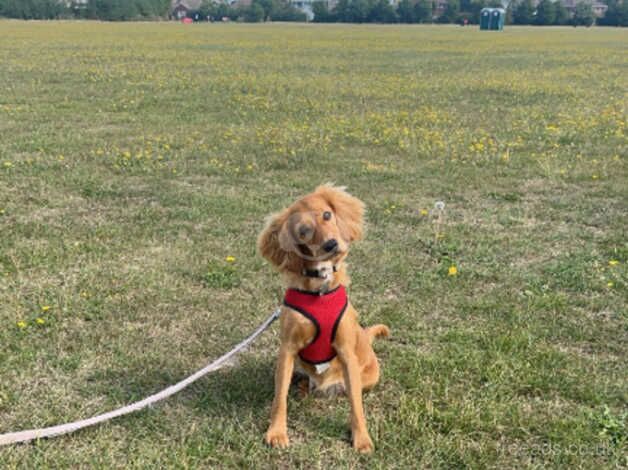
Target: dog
[{"x": 308, "y": 243}]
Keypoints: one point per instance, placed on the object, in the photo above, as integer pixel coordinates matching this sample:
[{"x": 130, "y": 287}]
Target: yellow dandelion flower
[
  {"x": 230, "y": 259},
  {"x": 453, "y": 271},
  {"x": 423, "y": 212},
  {"x": 21, "y": 324},
  {"x": 594, "y": 177},
  {"x": 610, "y": 283},
  {"x": 40, "y": 321},
  {"x": 45, "y": 308},
  {"x": 613, "y": 262}
]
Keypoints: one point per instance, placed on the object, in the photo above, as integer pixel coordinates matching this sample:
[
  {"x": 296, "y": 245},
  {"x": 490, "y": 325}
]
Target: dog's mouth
[{"x": 322, "y": 255}]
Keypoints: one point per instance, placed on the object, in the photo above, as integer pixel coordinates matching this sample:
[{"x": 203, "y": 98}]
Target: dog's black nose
[{"x": 330, "y": 245}]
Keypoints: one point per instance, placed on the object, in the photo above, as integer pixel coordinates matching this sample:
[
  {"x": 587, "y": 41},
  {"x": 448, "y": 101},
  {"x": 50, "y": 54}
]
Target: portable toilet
[
  {"x": 485, "y": 19},
  {"x": 492, "y": 19},
  {"x": 498, "y": 16}
]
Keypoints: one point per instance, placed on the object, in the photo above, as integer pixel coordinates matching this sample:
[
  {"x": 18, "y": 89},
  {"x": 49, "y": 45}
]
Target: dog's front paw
[
  {"x": 277, "y": 438},
  {"x": 363, "y": 443}
]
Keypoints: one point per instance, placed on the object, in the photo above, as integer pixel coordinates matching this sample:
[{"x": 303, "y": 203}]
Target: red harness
[{"x": 325, "y": 311}]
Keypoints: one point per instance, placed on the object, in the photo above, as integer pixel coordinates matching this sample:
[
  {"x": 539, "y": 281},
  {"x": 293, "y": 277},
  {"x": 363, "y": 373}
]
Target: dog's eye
[
  {"x": 304, "y": 231},
  {"x": 326, "y": 215}
]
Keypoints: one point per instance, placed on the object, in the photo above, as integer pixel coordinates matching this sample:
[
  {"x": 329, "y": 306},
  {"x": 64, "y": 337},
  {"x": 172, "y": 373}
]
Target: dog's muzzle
[{"x": 316, "y": 273}]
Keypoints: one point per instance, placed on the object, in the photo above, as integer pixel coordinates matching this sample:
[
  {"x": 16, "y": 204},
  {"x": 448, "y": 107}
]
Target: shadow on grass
[
  {"x": 246, "y": 387},
  {"x": 242, "y": 391},
  {"x": 247, "y": 384}
]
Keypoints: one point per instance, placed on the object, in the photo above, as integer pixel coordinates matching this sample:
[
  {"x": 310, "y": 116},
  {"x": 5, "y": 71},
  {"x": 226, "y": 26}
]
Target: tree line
[
  {"x": 616, "y": 15},
  {"x": 523, "y": 12},
  {"x": 406, "y": 11},
  {"x": 125, "y": 10},
  {"x": 555, "y": 13},
  {"x": 547, "y": 12},
  {"x": 108, "y": 10},
  {"x": 257, "y": 11}
]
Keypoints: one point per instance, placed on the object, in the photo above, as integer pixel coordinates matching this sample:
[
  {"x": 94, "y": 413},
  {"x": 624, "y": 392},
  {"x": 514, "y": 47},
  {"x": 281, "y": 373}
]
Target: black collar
[{"x": 315, "y": 273}]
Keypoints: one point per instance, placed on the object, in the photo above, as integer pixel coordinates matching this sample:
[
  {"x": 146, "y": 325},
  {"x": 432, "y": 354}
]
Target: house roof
[{"x": 189, "y": 4}]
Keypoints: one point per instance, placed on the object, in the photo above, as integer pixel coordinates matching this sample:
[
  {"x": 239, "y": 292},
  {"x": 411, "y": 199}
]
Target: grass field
[{"x": 135, "y": 158}]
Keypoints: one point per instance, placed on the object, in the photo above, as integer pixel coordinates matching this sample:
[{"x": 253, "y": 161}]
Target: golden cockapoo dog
[{"x": 308, "y": 242}]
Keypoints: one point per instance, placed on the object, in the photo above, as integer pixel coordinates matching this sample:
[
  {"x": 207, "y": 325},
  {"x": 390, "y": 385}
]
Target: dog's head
[{"x": 314, "y": 231}]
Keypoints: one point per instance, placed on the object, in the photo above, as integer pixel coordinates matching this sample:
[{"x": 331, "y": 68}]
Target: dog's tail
[{"x": 376, "y": 331}]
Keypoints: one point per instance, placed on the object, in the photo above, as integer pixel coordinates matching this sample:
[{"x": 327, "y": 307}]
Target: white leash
[{"x": 25, "y": 436}]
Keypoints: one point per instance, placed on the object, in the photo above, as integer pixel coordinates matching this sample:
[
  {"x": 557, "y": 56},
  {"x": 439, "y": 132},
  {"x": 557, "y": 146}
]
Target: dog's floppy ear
[
  {"x": 349, "y": 211},
  {"x": 277, "y": 244},
  {"x": 269, "y": 243}
]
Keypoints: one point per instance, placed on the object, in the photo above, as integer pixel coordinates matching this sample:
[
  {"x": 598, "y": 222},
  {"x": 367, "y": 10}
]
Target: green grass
[{"x": 135, "y": 158}]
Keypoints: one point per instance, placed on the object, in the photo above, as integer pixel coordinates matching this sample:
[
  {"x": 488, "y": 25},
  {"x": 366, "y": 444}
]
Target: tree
[
  {"x": 322, "y": 13},
  {"x": 405, "y": 12},
  {"x": 473, "y": 9},
  {"x": 357, "y": 11},
  {"x": 382, "y": 12},
  {"x": 14, "y": 9},
  {"x": 32, "y": 9},
  {"x": 206, "y": 9},
  {"x": 341, "y": 11},
  {"x": 111, "y": 10},
  {"x": 524, "y": 12},
  {"x": 450, "y": 15},
  {"x": 562, "y": 15},
  {"x": 545, "y": 13},
  {"x": 616, "y": 14},
  {"x": 253, "y": 13},
  {"x": 217, "y": 11},
  {"x": 423, "y": 11},
  {"x": 583, "y": 14},
  {"x": 610, "y": 17},
  {"x": 269, "y": 6},
  {"x": 284, "y": 11},
  {"x": 622, "y": 17}
]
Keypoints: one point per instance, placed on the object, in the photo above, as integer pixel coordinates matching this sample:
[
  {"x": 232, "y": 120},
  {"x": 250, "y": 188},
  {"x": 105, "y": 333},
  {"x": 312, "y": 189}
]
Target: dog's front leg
[
  {"x": 277, "y": 434},
  {"x": 353, "y": 382}
]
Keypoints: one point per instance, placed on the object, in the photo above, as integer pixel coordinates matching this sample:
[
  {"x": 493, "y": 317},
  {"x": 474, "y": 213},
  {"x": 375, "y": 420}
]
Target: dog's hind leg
[
  {"x": 304, "y": 387},
  {"x": 370, "y": 374}
]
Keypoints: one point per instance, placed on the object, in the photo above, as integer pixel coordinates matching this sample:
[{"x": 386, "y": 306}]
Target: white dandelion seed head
[{"x": 439, "y": 205}]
